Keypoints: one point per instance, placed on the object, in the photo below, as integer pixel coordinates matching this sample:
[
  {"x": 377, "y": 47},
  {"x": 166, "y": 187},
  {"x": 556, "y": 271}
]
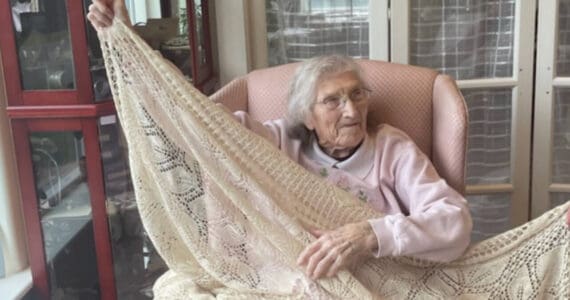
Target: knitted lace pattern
[{"x": 227, "y": 210}]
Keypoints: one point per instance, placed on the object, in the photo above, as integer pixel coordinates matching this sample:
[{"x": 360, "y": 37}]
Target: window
[
  {"x": 464, "y": 39},
  {"x": 488, "y": 47},
  {"x": 297, "y": 29}
]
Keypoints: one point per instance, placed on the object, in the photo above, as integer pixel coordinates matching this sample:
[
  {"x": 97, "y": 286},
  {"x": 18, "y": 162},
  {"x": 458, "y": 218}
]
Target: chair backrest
[{"x": 424, "y": 104}]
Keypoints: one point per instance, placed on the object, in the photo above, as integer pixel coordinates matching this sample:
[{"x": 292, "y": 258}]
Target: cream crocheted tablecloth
[{"x": 227, "y": 211}]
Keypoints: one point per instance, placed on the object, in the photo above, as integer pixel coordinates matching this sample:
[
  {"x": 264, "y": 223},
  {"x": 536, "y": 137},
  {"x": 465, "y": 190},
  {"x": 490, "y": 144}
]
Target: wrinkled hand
[
  {"x": 343, "y": 248},
  {"x": 102, "y": 12}
]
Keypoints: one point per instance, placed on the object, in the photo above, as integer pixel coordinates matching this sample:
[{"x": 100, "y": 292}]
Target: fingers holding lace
[
  {"x": 102, "y": 12},
  {"x": 338, "y": 249},
  {"x": 100, "y": 15}
]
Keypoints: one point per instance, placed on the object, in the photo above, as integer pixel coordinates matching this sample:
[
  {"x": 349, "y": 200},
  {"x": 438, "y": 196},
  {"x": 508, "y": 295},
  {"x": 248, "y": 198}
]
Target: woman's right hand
[{"x": 102, "y": 12}]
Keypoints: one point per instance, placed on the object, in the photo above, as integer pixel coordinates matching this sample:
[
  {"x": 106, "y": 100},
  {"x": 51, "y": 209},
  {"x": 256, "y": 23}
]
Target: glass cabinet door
[
  {"x": 63, "y": 199},
  {"x": 177, "y": 29},
  {"x": 165, "y": 29},
  {"x": 43, "y": 44},
  {"x": 99, "y": 81},
  {"x": 136, "y": 263}
]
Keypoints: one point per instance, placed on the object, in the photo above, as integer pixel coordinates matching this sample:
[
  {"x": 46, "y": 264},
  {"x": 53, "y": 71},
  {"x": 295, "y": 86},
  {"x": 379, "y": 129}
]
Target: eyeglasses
[{"x": 338, "y": 101}]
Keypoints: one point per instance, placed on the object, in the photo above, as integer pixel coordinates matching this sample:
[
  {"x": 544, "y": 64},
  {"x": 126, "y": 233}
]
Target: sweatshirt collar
[{"x": 359, "y": 164}]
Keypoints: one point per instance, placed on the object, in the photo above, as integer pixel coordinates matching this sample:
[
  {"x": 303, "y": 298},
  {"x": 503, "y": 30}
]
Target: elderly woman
[{"x": 325, "y": 131}]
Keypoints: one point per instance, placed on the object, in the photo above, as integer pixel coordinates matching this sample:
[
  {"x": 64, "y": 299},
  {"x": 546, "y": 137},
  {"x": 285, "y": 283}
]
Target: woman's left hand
[{"x": 342, "y": 248}]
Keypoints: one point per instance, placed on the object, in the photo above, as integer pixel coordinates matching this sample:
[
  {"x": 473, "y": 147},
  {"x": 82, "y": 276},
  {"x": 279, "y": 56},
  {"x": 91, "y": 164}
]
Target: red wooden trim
[
  {"x": 78, "y": 35},
  {"x": 61, "y": 111},
  {"x": 53, "y": 125},
  {"x": 190, "y": 10},
  {"x": 48, "y": 97},
  {"x": 30, "y": 207},
  {"x": 98, "y": 206},
  {"x": 207, "y": 38},
  {"x": 204, "y": 71},
  {"x": 208, "y": 85},
  {"x": 9, "y": 54},
  {"x": 201, "y": 72},
  {"x": 16, "y": 96}
]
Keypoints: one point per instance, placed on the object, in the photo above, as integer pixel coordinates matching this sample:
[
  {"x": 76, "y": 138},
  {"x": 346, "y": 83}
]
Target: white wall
[
  {"x": 12, "y": 231},
  {"x": 232, "y": 39}
]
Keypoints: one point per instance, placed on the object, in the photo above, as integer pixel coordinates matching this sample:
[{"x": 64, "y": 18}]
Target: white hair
[{"x": 303, "y": 89}]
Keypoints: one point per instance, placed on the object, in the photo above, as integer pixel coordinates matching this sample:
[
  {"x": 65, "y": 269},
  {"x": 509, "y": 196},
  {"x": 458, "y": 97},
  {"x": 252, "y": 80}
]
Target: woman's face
[{"x": 339, "y": 113}]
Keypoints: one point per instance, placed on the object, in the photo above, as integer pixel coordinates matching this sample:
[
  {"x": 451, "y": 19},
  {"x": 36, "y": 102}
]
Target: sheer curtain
[{"x": 300, "y": 29}]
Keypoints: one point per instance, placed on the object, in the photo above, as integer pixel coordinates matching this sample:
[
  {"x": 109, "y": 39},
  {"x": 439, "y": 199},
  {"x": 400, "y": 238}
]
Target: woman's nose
[{"x": 349, "y": 109}]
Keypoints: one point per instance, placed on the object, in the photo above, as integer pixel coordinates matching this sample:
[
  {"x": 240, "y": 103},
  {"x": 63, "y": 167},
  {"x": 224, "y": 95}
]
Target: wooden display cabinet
[{"x": 84, "y": 232}]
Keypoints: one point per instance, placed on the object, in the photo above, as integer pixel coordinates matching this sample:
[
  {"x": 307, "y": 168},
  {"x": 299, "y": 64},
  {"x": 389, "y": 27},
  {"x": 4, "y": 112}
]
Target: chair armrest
[
  {"x": 233, "y": 95},
  {"x": 449, "y": 132}
]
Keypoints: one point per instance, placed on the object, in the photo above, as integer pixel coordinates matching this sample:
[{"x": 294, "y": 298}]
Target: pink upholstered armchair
[{"x": 426, "y": 105}]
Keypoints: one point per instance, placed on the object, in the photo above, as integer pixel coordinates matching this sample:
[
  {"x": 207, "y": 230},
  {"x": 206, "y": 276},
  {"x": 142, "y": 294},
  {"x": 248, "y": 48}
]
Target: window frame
[
  {"x": 521, "y": 83},
  {"x": 248, "y": 23}
]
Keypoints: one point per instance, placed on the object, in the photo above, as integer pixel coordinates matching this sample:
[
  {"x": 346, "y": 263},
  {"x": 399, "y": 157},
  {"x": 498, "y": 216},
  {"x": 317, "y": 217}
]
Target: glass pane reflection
[
  {"x": 464, "y": 39},
  {"x": 167, "y": 35},
  {"x": 491, "y": 215},
  {"x": 65, "y": 210},
  {"x": 101, "y": 88},
  {"x": 561, "y": 136},
  {"x": 44, "y": 44},
  {"x": 298, "y": 30},
  {"x": 563, "y": 53},
  {"x": 489, "y": 140},
  {"x": 136, "y": 264},
  {"x": 200, "y": 36}
]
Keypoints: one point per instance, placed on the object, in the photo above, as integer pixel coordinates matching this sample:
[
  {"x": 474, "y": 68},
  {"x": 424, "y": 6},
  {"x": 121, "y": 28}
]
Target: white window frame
[
  {"x": 521, "y": 83},
  {"x": 244, "y": 47},
  {"x": 546, "y": 83}
]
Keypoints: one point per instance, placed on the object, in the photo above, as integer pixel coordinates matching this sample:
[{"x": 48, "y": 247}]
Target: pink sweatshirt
[{"x": 424, "y": 217}]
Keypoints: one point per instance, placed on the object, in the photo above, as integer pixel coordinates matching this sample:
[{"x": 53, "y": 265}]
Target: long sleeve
[
  {"x": 275, "y": 131},
  {"x": 435, "y": 223},
  {"x": 270, "y": 131}
]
